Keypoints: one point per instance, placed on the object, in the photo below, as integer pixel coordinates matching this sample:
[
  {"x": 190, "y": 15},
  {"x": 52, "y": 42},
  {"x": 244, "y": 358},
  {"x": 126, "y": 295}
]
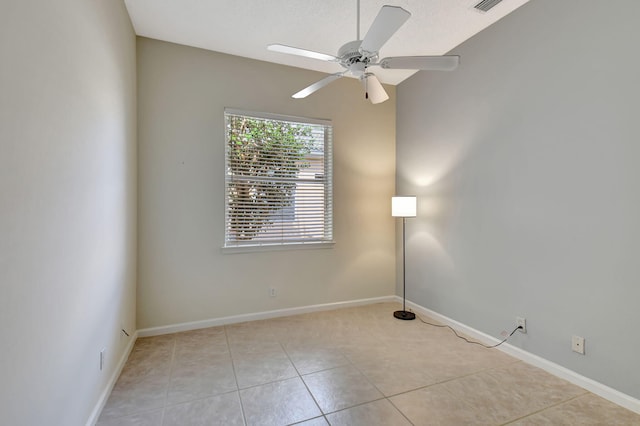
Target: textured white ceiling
[{"x": 246, "y": 27}]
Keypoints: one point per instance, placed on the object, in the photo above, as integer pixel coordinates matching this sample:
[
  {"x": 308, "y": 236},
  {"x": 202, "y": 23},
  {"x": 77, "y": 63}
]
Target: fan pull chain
[{"x": 366, "y": 87}]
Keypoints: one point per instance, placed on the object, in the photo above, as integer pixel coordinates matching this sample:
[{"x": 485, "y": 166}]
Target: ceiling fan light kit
[
  {"x": 358, "y": 55},
  {"x": 373, "y": 88}
]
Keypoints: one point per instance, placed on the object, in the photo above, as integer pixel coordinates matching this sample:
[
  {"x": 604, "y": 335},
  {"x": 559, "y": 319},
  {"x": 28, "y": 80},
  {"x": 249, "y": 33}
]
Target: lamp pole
[
  {"x": 404, "y": 267},
  {"x": 404, "y": 207}
]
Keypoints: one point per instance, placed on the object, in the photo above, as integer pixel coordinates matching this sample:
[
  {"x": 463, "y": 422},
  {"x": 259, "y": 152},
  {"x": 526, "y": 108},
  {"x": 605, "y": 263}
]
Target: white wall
[
  {"x": 526, "y": 164},
  {"x": 183, "y": 275},
  {"x": 67, "y": 205}
]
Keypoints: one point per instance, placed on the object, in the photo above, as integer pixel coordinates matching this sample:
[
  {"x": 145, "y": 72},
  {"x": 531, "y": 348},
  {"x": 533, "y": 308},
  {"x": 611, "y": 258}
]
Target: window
[{"x": 278, "y": 180}]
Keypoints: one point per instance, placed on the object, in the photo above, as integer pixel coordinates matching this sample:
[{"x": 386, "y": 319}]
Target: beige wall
[
  {"x": 183, "y": 275},
  {"x": 525, "y": 161},
  {"x": 67, "y": 205}
]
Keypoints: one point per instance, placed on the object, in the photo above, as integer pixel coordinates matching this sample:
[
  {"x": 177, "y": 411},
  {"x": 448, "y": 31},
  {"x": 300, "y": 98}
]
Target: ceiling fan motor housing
[{"x": 353, "y": 59}]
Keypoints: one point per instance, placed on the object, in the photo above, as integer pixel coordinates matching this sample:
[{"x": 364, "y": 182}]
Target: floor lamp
[{"x": 403, "y": 207}]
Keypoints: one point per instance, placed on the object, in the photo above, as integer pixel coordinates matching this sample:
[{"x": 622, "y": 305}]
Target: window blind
[{"x": 278, "y": 180}]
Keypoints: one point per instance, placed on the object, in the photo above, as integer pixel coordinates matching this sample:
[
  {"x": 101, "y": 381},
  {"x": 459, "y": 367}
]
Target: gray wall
[
  {"x": 526, "y": 164},
  {"x": 67, "y": 205},
  {"x": 183, "y": 275}
]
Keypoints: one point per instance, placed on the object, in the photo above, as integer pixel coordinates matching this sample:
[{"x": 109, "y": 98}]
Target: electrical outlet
[
  {"x": 272, "y": 291},
  {"x": 521, "y": 322},
  {"x": 577, "y": 344}
]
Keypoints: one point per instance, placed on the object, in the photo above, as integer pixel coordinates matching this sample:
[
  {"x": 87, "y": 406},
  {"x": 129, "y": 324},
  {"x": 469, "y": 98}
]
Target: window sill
[{"x": 278, "y": 247}]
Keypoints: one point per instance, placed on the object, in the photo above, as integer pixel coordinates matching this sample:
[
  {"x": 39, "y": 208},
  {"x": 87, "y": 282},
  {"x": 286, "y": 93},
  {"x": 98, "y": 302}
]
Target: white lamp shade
[{"x": 403, "y": 206}]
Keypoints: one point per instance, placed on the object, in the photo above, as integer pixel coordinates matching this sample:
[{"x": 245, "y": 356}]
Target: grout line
[
  {"x": 379, "y": 390},
  {"x": 235, "y": 375},
  {"x": 484, "y": 370},
  {"x": 137, "y": 413},
  {"x": 357, "y": 405},
  {"x": 361, "y": 322},
  {"x": 303, "y": 382},
  {"x": 304, "y": 421},
  {"x": 546, "y": 408},
  {"x": 171, "y": 369},
  {"x": 329, "y": 369},
  {"x": 199, "y": 398},
  {"x": 400, "y": 411}
]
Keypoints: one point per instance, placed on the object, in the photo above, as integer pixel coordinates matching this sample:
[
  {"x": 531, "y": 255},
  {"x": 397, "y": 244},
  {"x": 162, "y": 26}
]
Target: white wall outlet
[
  {"x": 272, "y": 291},
  {"x": 102, "y": 358},
  {"x": 521, "y": 322},
  {"x": 577, "y": 344}
]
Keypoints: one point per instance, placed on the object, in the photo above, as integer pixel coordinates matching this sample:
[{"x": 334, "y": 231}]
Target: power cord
[{"x": 467, "y": 340}]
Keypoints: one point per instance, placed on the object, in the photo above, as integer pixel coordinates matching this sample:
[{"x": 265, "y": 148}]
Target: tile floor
[{"x": 354, "y": 366}]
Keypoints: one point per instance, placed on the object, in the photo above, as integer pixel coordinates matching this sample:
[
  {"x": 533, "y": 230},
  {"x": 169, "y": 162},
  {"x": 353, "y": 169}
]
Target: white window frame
[{"x": 231, "y": 245}]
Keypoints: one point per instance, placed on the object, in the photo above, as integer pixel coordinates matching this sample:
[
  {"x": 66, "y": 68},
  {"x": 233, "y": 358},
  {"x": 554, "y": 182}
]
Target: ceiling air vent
[{"x": 486, "y": 5}]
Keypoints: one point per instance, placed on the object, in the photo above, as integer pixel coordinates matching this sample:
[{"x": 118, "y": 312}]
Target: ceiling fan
[{"x": 357, "y": 56}]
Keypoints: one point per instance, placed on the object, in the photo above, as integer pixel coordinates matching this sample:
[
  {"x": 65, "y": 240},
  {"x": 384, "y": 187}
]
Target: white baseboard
[
  {"x": 156, "y": 331},
  {"x": 95, "y": 414},
  {"x": 597, "y": 388},
  {"x": 214, "y": 322},
  {"x": 592, "y": 386}
]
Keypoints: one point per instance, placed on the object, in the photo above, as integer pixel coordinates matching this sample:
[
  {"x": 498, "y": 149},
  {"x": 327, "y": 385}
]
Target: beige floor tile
[
  {"x": 278, "y": 403},
  {"x": 153, "y": 418},
  {"x": 318, "y": 421},
  {"x": 249, "y": 346},
  {"x": 222, "y": 410},
  {"x": 472, "y": 357},
  {"x": 200, "y": 378},
  {"x": 446, "y": 356},
  {"x": 310, "y": 358},
  {"x": 340, "y": 388},
  {"x": 509, "y": 393},
  {"x": 349, "y": 360},
  {"x": 585, "y": 410},
  {"x": 156, "y": 349},
  {"x": 304, "y": 337},
  {"x": 142, "y": 385},
  {"x": 540, "y": 388},
  {"x": 149, "y": 357},
  {"x": 396, "y": 376},
  {"x": 443, "y": 367},
  {"x": 488, "y": 398},
  {"x": 128, "y": 400},
  {"x": 377, "y": 413},
  {"x": 370, "y": 351},
  {"x": 205, "y": 343},
  {"x": 256, "y": 330},
  {"x": 153, "y": 343},
  {"x": 202, "y": 333},
  {"x": 436, "y": 406},
  {"x": 143, "y": 372},
  {"x": 258, "y": 369}
]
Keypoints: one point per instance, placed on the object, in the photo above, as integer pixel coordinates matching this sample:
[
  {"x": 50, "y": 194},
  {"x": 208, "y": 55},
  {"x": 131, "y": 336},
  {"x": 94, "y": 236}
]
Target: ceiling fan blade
[
  {"x": 388, "y": 21},
  {"x": 429, "y": 63},
  {"x": 373, "y": 89},
  {"x": 281, "y": 48},
  {"x": 317, "y": 85}
]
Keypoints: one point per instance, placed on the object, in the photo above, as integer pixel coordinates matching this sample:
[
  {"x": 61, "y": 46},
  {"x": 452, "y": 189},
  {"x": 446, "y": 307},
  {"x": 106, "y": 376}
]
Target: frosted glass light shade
[{"x": 403, "y": 206}]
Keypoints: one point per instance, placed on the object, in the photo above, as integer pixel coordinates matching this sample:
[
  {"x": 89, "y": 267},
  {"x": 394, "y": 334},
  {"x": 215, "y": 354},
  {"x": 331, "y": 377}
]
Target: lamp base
[{"x": 404, "y": 315}]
